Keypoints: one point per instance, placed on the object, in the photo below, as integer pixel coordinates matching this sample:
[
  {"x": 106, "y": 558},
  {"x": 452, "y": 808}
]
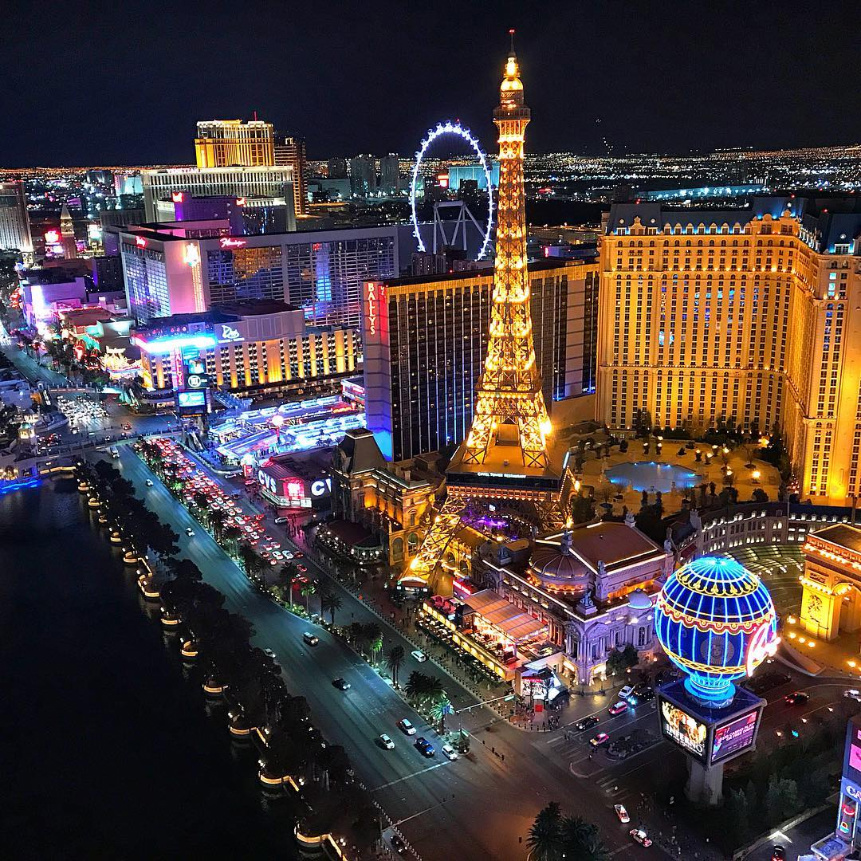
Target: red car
[
  {"x": 618, "y": 708},
  {"x": 601, "y": 739}
]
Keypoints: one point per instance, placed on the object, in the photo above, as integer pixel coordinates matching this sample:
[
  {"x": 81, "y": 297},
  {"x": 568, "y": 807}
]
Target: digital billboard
[
  {"x": 852, "y": 755},
  {"x": 189, "y": 402},
  {"x": 734, "y": 736},
  {"x": 684, "y": 730}
]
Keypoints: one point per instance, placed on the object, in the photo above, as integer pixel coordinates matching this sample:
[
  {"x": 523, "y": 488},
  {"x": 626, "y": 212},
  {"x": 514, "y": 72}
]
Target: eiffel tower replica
[{"x": 508, "y": 458}]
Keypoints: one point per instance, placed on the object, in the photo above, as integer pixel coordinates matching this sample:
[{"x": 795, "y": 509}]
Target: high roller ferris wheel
[{"x": 485, "y": 229}]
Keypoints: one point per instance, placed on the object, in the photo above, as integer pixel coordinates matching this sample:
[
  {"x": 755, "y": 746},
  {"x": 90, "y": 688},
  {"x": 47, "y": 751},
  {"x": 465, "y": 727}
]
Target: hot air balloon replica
[{"x": 716, "y": 622}]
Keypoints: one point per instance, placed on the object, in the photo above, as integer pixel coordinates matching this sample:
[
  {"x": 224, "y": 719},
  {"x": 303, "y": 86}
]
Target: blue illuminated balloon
[{"x": 717, "y": 623}]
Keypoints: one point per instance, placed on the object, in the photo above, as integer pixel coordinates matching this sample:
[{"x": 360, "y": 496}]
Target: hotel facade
[
  {"x": 747, "y": 318},
  {"x": 426, "y": 340}
]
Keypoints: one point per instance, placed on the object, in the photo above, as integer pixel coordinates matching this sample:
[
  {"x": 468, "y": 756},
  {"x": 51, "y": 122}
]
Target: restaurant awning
[{"x": 511, "y": 621}]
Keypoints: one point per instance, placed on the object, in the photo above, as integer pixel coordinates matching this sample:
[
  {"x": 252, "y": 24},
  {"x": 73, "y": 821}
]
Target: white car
[
  {"x": 189, "y": 532},
  {"x": 386, "y": 742},
  {"x": 449, "y": 752},
  {"x": 622, "y": 813},
  {"x": 853, "y": 694},
  {"x": 419, "y": 655},
  {"x": 149, "y": 482},
  {"x": 406, "y": 727},
  {"x": 626, "y": 692}
]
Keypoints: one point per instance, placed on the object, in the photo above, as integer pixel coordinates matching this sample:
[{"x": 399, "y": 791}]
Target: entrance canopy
[{"x": 512, "y": 622}]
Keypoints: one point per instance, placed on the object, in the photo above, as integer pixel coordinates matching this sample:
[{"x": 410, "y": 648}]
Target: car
[
  {"x": 601, "y": 739},
  {"x": 626, "y": 692},
  {"x": 280, "y": 520},
  {"x": 425, "y": 747},
  {"x": 269, "y": 653},
  {"x": 853, "y": 694},
  {"x": 586, "y": 723},
  {"x": 618, "y": 708},
  {"x": 778, "y": 853},
  {"x": 449, "y": 752},
  {"x": 149, "y": 482},
  {"x": 622, "y": 813},
  {"x": 386, "y": 742},
  {"x": 397, "y": 844},
  {"x": 250, "y": 483},
  {"x": 310, "y": 639},
  {"x": 640, "y": 837},
  {"x": 797, "y": 698},
  {"x": 406, "y": 727},
  {"x": 419, "y": 655},
  {"x": 298, "y": 555},
  {"x": 189, "y": 532},
  {"x": 342, "y": 684}
]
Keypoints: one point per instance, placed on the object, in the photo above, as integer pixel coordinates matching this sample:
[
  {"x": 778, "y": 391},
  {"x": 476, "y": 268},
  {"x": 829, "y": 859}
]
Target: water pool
[{"x": 648, "y": 475}]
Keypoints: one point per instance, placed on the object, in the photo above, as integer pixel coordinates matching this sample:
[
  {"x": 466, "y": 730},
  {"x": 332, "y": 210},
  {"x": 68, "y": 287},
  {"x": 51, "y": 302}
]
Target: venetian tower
[{"x": 508, "y": 456}]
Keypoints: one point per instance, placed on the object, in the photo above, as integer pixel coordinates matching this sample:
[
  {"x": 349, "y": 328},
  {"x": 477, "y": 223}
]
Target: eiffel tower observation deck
[{"x": 509, "y": 455}]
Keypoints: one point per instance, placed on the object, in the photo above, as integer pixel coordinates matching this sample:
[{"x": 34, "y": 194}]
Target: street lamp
[{"x": 755, "y": 476}]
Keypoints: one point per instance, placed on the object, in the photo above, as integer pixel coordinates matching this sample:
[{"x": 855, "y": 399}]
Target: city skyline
[{"x": 660, "y": 83}]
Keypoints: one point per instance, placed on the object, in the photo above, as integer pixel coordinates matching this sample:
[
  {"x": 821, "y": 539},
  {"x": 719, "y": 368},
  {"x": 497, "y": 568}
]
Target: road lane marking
[{"x": 407, "y": 777}]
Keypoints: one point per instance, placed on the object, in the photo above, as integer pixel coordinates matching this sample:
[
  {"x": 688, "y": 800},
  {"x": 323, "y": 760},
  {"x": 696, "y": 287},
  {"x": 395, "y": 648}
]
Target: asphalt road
[{"x": 476, "y": 807}]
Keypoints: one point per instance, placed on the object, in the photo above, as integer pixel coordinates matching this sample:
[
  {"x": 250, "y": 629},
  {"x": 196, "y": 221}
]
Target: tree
[
  {"x": 289, "y": 575},
  {"x": 582, "y": 509},
  {"x": 580, "y": 839},
  {"x": 759, "y": 495},
  {"x": 738, "y": 816},
  {"x": 545, "y": 835},
  {"x": 781, "y": 799},
  {"x": 217, "y": 519},
  {"x": 620, "y": 659},
  {"x": 394, "y": 661},
  {"x": 308, "y": 589},
  {"x": 440, "y": 707},
  {"x": 329, "y": 602},
  {"x": 374, "y": 638}
]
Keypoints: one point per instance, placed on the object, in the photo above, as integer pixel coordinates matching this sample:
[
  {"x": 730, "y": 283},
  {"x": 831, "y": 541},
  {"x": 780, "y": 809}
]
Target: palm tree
[
  {"x": 289, "y": 574},
  {"x": 232, "y": 534},
  {"x": 440, "y": 707},
  {"x": 329, "y": 602},
  {"x": 545, "y": 835},
  {"x": 394, "y": 661},
  {"x": 216, "y": 523},
  {"x": 308, "y": 589},
  {"x": 374, "y": 637},
  {"x": 580, "y": 839}
]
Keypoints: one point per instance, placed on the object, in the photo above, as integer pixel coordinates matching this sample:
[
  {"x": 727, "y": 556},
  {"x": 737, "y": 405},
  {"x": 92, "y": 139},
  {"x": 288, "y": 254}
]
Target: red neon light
[
  {"x": 240, "y": 201},
  {"x": 177, "y": 196},
  {"x": 140, "y": 242},
  {"x": 229, "y": 242},
  {"x": 52, "y": 236}
]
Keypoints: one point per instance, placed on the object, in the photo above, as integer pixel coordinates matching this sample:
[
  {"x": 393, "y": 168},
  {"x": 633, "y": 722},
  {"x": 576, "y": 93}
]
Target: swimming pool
[{"x": 648, "y": 475}]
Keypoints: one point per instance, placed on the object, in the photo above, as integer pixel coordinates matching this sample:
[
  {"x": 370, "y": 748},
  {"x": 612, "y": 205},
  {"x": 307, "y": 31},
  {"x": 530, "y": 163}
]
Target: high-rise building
[
  {"x": 337, "y": 168},
  {"x": 255, "y": 186},
  {"x": 390, "y": 174},
  {"x": 174, "y": 269},
  {"x": 426, "y": 342},
  {"x": 67, "y": 234},
  {"x": 14, "y": 219},
  {"x": 363, "y": 175},
  {"x": 233, "y": 143},
  {"x": 508, "y": 456},
  {"x": 290, "y": 152},
  {"x": 739, "y": 318}
]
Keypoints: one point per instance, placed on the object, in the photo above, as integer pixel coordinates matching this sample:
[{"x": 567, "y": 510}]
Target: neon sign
[
  {"x": 240, "y": 201},
  {"x": 52, "y": 236},
  {"x": 177, "y": 196},
  {"x": 140, "y": 242},
  {"x": 230, "y": 242},
  {"x": 228, "y": 333},
  {"x": 167, "y": 345},
  {"x": 762, "y": 645},
  {"x": 373, "y": 300},
  {"x": 192, "y": 254}
]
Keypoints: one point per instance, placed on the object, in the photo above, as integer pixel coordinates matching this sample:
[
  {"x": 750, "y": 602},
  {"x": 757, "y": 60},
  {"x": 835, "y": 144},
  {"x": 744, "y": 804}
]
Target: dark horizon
[{"x": 119, "y": 87}]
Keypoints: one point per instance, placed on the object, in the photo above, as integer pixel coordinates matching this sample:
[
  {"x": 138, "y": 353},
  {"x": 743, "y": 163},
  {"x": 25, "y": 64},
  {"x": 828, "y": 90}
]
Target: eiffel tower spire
[{"x": 506, "y": 456}]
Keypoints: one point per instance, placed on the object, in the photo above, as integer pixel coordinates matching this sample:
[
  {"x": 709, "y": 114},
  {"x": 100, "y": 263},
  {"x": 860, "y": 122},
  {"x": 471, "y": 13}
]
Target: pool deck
[{"x": 742, "y": 476}]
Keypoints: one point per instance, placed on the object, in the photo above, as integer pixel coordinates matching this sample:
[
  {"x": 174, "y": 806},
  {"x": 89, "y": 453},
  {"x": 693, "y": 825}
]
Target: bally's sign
[{"x": 375, "y": 295}]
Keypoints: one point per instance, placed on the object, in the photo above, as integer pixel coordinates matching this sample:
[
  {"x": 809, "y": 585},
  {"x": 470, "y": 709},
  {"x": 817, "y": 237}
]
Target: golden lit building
[
  {"x": 290, "y": 152},
  {"x": 233, "y": 143},
  {"x": 251, "y": 347},
  {"x": 740, "y": 318}
]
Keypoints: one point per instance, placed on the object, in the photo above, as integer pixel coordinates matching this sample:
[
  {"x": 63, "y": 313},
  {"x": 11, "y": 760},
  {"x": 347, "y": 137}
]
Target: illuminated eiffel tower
[{"x": 507, "y": 457}]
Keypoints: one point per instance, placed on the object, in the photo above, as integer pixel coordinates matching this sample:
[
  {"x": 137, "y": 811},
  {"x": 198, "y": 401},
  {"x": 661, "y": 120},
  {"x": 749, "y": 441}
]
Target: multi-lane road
[{"x": 479, "y": 806}]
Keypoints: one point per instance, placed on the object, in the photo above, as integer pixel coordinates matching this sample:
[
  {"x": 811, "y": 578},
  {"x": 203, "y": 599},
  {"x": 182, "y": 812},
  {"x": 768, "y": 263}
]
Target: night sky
[{"x": 125, "y": 82}]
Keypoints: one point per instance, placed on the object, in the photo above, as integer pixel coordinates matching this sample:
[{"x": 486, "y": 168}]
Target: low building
[
  {"x": 254, "y": 347},
  {"x": 289, "y": 482},
  {"x": 389, "y": 499},
  {"x": 592, "y": 588}
]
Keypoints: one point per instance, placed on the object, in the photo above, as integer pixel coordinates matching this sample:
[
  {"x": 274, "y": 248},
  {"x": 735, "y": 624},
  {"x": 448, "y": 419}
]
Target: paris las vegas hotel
[{"x": 749, "y": 315}]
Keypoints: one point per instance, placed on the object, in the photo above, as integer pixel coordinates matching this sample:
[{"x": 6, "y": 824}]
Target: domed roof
[
  {"x": 639, "y": 600},
  {"x": 556, "y": 566},
  {"x": 716, "y": 621}
]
